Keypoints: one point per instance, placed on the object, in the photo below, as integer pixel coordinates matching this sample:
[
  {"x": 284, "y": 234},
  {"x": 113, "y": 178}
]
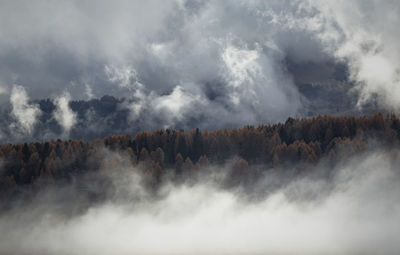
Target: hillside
[{"x": 299, "y": 142}]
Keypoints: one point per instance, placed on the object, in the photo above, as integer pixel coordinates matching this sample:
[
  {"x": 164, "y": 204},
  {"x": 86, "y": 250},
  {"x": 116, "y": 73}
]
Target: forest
[{"x": 300, "y": 143}]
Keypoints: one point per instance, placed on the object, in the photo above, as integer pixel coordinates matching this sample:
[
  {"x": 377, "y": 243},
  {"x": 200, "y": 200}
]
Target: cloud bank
[
  {"x": 223, "y": 64},
  {"x": 354, "y": 211}
]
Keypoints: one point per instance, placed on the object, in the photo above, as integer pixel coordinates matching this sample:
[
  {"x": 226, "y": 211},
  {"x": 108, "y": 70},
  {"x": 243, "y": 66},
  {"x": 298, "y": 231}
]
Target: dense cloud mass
[
  {"x": 353, "y": 211},
  {"x": 221, "y": 63}
]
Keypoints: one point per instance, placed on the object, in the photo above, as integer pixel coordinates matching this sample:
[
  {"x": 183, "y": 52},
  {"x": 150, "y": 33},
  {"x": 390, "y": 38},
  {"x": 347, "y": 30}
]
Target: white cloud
[
  {"x": 175, "y": 105},
  {"x": 88, "y": 91},
  {"x": 368, "y": 42},
  {"x": 63, "y": 113},
  {"x": 123, "y": 77},
  {"x": 24, "y": 112},
  {"x": 241, "y": 64}
]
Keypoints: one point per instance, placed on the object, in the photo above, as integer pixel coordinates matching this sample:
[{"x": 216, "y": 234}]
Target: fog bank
[{"x": 354, "y": 211}]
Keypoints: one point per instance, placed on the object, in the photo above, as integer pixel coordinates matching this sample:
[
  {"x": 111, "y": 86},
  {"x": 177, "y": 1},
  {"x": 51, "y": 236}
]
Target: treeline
[{"x": 297, "y": 141}]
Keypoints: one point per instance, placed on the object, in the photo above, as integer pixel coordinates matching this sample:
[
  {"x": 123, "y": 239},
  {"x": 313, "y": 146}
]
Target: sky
[{"x": 226, "y": 62}]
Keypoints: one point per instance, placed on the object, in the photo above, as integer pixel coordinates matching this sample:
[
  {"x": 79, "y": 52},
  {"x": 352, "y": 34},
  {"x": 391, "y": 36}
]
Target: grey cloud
[
  {"x": 229, "y": 58},
  {"x": 170, "y": 44}
]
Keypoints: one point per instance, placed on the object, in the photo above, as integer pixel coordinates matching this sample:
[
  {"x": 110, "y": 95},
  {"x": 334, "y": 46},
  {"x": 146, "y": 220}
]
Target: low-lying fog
[{"x": 353, "y": 210}]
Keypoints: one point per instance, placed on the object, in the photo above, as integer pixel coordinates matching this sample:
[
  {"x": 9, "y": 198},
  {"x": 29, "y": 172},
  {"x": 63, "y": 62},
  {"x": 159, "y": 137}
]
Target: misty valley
[
  {"x": 180, "y": 127},
  {"x": 302, "y": 181}
]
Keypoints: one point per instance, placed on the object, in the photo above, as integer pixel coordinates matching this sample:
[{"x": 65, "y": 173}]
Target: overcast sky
[{"x": 226, "y": 61}]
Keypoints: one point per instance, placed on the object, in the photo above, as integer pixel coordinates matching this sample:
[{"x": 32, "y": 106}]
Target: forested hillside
[{"x": 300, "y": 142}]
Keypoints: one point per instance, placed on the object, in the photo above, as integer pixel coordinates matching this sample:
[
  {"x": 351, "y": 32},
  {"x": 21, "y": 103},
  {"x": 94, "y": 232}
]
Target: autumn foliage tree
[{"x": 297, "y": 141}]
